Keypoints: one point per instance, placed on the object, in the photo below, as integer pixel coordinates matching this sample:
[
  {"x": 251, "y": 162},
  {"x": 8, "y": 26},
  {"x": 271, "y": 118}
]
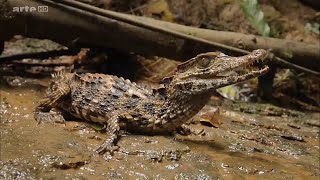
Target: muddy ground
[
  {"x": 271, "y": 143},
  {"x": 242, "y": 140}
]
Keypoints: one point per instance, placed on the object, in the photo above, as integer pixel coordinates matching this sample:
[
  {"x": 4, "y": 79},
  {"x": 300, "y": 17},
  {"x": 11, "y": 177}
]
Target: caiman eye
[{"x": 204, "y": 62}]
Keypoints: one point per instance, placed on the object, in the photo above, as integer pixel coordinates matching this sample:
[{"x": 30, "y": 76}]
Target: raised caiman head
[{"x": 208, "y": 71}]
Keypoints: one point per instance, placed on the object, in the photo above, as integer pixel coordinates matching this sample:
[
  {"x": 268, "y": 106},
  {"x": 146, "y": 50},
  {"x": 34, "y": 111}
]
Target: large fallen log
[
  {"x": 65, "y": 25},
  {"x": 227, "y": 41}
]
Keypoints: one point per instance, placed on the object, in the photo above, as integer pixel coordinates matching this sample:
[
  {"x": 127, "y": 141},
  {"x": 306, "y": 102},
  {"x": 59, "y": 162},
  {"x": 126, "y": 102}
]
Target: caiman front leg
[
  {"x": 109, "y": 144},
  {"x": 43, "y": 112},
  {"x": 186, "y": 130}
]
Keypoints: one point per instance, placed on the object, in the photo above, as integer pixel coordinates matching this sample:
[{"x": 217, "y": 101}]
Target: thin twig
[
  {"x": 296, "y": 67},
  {"x": 36, "y": 55},
  {"x": 48, "y": 64}
]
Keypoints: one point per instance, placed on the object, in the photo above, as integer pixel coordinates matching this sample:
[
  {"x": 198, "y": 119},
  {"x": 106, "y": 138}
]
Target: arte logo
[{"x": 40, "y": 9}]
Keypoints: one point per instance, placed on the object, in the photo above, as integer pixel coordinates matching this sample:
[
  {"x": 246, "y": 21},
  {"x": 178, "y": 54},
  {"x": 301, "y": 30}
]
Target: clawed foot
[
  {"x": 49, "y": 117},
  {"x": 199, "y": 132},
  {"x": 106, "y": 147},
  {"x": 186, "y": 130}
]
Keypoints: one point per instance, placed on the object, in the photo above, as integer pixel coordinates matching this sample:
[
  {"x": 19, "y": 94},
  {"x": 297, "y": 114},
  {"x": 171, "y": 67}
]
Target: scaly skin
[{"x": 122, "y": 104}]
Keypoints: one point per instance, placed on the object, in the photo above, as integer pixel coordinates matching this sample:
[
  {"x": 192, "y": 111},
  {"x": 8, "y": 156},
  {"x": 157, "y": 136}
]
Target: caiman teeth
[
  {"x": 256, "y": 71},
  {"x": 251, "y": 71},
  {"x": 227, "y": 73},
  {"x": 242, "y": 70}
]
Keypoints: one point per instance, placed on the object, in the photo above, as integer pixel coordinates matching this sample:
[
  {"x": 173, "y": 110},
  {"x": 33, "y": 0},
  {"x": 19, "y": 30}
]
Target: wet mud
[{"x": 265, "y": 143}]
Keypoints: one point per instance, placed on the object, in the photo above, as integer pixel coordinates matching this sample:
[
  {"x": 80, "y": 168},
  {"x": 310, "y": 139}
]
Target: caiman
[{"x": 121, "y": 104}]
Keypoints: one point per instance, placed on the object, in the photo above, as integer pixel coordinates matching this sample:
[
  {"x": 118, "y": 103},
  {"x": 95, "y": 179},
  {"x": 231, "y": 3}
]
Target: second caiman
[{"x": 121, "y": 104}]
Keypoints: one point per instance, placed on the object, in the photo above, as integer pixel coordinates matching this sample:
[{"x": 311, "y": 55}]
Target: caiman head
[{"x": 209, "y": 71}]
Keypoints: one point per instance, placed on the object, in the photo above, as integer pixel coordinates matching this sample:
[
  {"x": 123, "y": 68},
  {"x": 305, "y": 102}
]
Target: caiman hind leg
[
  {"x": 109, "y": 144},
  {"x": 186, "y": 130},
  {"x": 43, "y": 112}
]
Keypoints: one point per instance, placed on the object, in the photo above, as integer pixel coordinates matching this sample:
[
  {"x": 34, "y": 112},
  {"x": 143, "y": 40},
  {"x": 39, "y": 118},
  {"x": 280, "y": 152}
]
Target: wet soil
[
  {"x": 268, "y": 143},
  {"x": 246, "y": 140}
]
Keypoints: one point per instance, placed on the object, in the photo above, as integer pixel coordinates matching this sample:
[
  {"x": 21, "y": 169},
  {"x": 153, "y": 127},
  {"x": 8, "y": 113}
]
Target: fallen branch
[
  {"x": 37, "y": 55},
  {"x": 65, "y": 23},
  {"x": 160, "y": 26}
]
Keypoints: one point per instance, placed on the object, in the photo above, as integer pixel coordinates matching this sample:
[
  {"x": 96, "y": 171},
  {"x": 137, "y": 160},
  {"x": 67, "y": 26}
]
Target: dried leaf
[
  {"x": 210, "y": 119},
  {"x": 160, "y": 9}
]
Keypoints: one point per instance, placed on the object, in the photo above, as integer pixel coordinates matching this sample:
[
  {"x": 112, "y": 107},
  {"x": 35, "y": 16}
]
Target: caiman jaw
[
  {"x": 228, "y": 80},
  {"x": 210, "y": 71},
  {"x": 243, "y": 63}
]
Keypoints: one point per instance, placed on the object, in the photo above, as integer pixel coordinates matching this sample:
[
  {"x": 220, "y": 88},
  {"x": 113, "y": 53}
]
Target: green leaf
[
  {"x": 314, "y": 28},
  {"x": 255, "y": 16},
  {"x": 98, "y": 127}
]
